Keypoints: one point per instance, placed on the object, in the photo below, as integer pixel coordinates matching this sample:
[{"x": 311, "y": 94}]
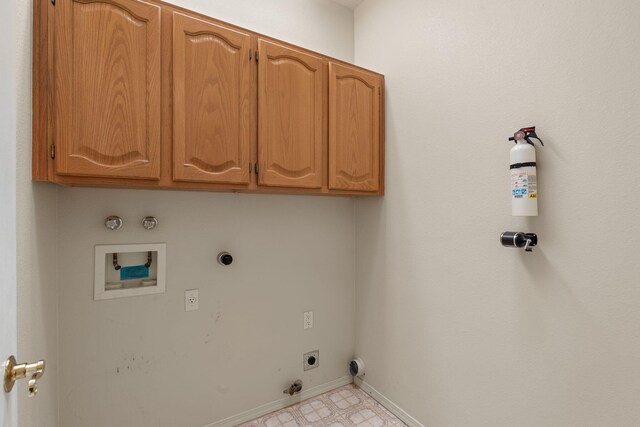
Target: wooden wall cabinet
[
  {"x": 355, "y": 98},
  {"x": 144, "y": 94},
  {"x": 107, "y": 88},
  {"x": 290, "y": 85},
  {"x": 211, "y": 102}
]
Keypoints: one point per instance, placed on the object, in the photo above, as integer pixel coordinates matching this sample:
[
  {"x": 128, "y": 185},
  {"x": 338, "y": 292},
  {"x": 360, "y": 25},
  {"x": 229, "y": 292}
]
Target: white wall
[
  {"x": 144, "y": 361},
  {"x": 37, "y": 291},
  {"x": 319, "y": 25},
  {"x": 8, "y": 314},
  {"x": 454, "y": 328}
]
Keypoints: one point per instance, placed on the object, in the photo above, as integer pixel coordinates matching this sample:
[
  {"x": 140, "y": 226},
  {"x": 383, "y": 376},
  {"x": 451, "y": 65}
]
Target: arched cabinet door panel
[
  {"x": 211, "y": 102},
  {"x": 107, "y": 88},
  {"x": 290, "y": 90},
  {"x": 354, "y": 129}
]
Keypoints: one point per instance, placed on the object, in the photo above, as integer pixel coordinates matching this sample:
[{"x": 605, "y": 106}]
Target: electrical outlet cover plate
[
  {"x": 311, "y": 360},
  {"x": 308, "y": 320},
  {"x": 191, "y": 300}
]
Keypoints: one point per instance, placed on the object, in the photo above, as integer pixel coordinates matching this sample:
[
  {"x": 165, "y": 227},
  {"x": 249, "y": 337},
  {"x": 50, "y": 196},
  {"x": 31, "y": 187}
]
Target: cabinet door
[
  {"x": 290, "y": 89},
  {"x": 354, "y": 129},
  {"x": 107, "y": 88},
  {"x": 212, "y": 102}
]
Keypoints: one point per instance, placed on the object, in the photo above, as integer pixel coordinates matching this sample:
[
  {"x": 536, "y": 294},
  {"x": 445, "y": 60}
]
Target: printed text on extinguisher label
[{"x": 524, "y": 184}]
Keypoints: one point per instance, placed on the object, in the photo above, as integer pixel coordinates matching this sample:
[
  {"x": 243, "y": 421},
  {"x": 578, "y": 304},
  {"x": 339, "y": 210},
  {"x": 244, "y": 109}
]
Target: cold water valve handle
[{"x": 518, "y": 239}]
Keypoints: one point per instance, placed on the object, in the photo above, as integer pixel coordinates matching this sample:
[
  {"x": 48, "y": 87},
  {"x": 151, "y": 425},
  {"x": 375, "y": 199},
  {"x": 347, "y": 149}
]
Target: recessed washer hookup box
[{"x": 129, "y": 270}]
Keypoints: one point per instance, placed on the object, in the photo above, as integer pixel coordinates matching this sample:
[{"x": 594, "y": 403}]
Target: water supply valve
[
  {"x": 294, "y": 388},
  {"x": 518, "y": 239}
]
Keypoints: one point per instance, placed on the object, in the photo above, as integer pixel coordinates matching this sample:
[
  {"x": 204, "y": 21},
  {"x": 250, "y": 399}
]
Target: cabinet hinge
[
  {"x": 257, "y": 169},
  {"x": 250, "y": 168},
  {"x": 257, "y": 56},
  {"x": 249, "y": 54},
  {"x": 52, "y": 151},
  {"x": 379, "y": 92}
]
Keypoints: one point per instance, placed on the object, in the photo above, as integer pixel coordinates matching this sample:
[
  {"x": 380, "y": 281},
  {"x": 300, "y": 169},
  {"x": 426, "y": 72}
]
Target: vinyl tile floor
[{"x": 346, "y": 406}]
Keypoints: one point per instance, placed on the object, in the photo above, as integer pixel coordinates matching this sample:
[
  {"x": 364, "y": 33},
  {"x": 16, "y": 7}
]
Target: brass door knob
[{"x": 14, "y": 372}]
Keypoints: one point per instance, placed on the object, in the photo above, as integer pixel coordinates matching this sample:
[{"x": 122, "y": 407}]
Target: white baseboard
[
  {"x": 282, "y": 403},
  {"x": 392, "y": 407}
]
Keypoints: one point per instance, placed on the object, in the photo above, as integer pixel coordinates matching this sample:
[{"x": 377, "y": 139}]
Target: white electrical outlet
[
  {"x": 308, "y": 320},
  {"x": 191, "y": 300}
]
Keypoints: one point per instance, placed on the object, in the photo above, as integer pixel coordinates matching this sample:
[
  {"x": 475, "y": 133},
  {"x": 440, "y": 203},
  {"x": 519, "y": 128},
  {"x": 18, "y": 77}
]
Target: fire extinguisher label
[{"x": 524, "y": 184}]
